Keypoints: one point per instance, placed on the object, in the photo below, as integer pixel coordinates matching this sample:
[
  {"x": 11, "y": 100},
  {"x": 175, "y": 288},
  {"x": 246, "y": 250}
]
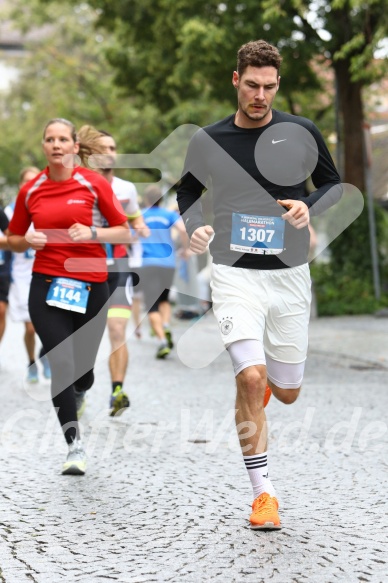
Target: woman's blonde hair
[{"x": 87, "y": 137}]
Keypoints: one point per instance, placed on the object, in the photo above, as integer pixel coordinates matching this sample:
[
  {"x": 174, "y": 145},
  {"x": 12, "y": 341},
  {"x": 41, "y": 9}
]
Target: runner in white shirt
[
  {"x": 120, "y": 280},
  {"x": 21, "y": 270}
]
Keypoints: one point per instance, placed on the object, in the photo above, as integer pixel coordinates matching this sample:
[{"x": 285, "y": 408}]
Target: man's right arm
[
  {"x": 201, "y": 238},
  {"x": 192, "y": 185},
  {"x": 189, "y": 192}
]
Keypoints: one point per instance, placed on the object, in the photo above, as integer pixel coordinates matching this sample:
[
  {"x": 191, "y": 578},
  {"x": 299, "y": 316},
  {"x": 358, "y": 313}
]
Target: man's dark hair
[{"x": 258, "y": 53}]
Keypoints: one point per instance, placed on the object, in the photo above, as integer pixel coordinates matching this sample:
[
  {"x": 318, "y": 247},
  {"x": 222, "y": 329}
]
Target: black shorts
[
  {"x": 5, "y": 282},
  {"x": 120, "y": 290},
  {"x": 155, "y": 283}
]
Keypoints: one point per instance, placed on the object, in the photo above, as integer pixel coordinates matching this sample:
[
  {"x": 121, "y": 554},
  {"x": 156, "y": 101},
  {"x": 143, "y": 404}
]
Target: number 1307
[{"x": 260, "y": 235}]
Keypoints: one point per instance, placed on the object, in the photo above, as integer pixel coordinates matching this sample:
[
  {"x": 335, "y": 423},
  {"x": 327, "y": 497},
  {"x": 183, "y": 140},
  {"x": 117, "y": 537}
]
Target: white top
[
  {"x": 21, "y": 266},
  {"x": 127, "y": 194}
]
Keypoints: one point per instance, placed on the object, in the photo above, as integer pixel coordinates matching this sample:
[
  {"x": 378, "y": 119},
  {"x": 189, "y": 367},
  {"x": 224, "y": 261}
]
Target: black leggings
[{"x": 70, "y": 341}]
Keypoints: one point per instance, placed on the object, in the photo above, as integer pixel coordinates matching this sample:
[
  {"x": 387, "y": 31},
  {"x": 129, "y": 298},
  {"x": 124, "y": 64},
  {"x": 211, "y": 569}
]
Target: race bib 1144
[{"x": 68, "y": 294}]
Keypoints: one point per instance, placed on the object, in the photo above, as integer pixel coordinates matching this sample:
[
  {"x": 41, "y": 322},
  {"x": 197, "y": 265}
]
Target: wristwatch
[{"x": 94, "y": 232}]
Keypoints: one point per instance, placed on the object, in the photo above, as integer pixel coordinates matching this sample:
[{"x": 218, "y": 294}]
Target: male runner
[
  {"x": 258, "y": 160},
  {"x": 120, "y": 281}
]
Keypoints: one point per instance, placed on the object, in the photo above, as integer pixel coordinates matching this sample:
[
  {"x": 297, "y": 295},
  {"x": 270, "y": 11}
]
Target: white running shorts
[
  {"x": 18, "y": 299},
  {"x": 271, "y": 306}
]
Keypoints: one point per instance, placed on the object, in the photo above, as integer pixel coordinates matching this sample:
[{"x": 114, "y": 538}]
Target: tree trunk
[{"x": 352, "y": 116}]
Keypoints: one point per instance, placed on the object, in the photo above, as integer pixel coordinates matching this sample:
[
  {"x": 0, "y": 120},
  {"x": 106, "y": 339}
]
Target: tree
[
  {"x": 181, "y": 56},
  {"x": 345, "y": 34},
  {"x": 65, "y": 74},
  {"x": 175, "y": 52}
]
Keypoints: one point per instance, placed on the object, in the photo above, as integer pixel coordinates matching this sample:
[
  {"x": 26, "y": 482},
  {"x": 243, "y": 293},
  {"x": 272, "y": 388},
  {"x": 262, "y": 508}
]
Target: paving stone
[{"x": 166, "y": 497}]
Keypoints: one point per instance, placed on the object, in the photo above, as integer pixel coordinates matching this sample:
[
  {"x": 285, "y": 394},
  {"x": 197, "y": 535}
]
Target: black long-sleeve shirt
[{"x": 248, "y": 170}]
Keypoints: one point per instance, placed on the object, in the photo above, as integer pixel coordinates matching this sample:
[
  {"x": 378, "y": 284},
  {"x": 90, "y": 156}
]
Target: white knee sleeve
[
  {"x": 244, "y": 353},
  {"x": 285, "y": 375}
]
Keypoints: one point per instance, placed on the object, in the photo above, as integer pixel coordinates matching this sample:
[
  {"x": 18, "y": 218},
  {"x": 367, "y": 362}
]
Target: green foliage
[
  {"x": 356, "y": 29},
  {"x": 339, "y": 293},
  {"x": 129, "y": 67},
  {"x": 174, "y": 52},
  {"x": 141, "y": 68},
  {"x": 351, "y": 250},
  {"x": 345, "y": 284},
  {"x": 65, "y": 73}
]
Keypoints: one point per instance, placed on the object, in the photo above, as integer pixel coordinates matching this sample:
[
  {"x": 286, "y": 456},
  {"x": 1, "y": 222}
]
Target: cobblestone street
[{"x": 166, "y": 496}]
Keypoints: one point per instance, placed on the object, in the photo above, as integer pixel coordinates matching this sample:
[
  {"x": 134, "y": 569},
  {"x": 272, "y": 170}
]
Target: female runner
[{"x": 68, "y": 300}]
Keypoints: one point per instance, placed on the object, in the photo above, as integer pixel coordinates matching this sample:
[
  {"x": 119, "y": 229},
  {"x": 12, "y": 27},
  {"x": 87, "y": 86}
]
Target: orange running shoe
[
  {"x": 265, "y": 512},
  {"x": 267, "y": 395}
]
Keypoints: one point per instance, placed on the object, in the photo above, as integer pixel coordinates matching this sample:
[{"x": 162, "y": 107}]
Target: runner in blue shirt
[{"x": 158, "y": 265}]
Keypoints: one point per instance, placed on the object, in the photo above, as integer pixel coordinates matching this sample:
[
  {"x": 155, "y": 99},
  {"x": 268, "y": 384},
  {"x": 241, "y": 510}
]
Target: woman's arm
[
  {"x": 17, "y": 243},
  {"x": 20, "y": 243},
  {"x": 114, "y": 235}
]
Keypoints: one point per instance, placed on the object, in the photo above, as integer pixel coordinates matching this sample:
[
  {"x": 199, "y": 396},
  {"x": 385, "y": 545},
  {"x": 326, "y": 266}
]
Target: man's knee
[
  {"x": 116, "y": 328},
  {"x": 286, "y": 396},
  {"x": 251, "y": 383}
]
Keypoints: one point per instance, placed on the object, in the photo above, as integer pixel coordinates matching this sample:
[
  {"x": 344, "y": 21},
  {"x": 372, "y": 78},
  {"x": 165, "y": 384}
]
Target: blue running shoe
[
  {"x": 46, "y": 367},
  {"x": 32, "y": 373}
]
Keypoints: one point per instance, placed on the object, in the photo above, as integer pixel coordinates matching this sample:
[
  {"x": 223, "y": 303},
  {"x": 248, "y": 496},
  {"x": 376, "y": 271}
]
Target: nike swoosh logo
[{"x": 277, "y": 141}]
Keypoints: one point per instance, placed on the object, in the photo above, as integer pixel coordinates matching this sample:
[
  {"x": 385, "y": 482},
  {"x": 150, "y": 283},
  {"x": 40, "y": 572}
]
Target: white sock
[{"x": 257, "y": 468}]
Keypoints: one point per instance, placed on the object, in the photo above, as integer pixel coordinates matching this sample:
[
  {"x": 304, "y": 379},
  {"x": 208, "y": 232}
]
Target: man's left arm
[
  {"x": 325, "y": 179},
  {"x": 298, "y": 213}
]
